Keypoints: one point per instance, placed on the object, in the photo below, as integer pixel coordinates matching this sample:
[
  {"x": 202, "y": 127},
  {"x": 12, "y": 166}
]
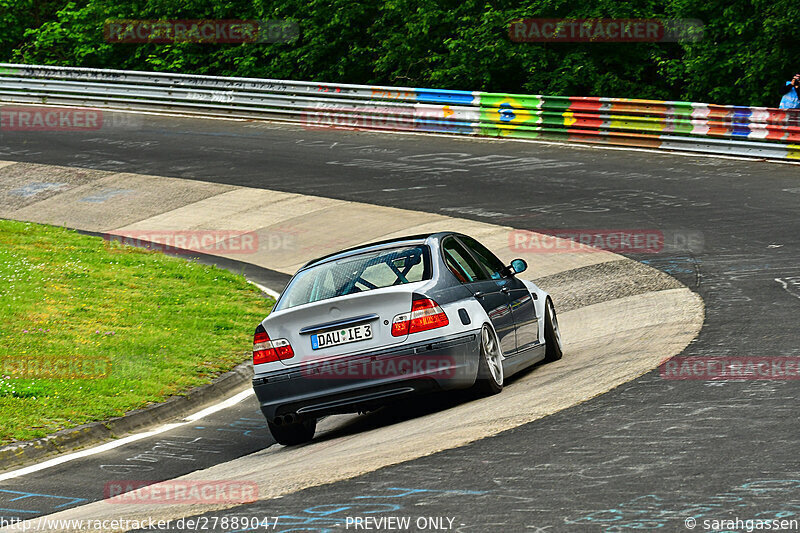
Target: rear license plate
[{"x": 341, "y": 336}]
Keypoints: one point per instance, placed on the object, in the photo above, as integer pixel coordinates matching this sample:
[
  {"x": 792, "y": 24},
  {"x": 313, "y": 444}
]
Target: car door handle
[
  {"x": 478, "y": 294},
  {"x": 505, "y": 290}
]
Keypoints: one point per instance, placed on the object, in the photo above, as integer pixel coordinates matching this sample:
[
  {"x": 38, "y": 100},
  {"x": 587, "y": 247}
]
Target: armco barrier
[{"x": 687, "y": 126}]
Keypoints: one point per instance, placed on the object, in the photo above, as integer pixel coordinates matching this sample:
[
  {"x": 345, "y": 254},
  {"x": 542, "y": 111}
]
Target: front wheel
[
  {"x": 294, "y": 433},
  {"x": 490, "y": 365},
  {"x": 552, "y": 334}
]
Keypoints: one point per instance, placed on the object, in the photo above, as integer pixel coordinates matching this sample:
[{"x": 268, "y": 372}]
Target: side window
[
  {"x": 487, "y": 258},
  {"x": 460, "y": 263}
]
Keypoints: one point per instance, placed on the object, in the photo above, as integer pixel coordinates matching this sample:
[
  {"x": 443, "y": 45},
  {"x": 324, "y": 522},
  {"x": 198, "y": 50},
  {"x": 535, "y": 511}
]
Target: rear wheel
[
  {"x": 490, "y": 365},
  {"x": 294, "y": 433},
  {"x": 552, "y": 335}
]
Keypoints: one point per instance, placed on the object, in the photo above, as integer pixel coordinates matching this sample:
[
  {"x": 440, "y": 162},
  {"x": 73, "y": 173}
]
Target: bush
[{"x": 748, "y": 49}]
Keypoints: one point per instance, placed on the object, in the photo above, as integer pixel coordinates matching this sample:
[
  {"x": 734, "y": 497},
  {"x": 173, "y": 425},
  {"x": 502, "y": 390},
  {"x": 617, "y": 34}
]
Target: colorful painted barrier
[
  {"x": 732, "y": 130},
  {"x": 687, "y": 126}
]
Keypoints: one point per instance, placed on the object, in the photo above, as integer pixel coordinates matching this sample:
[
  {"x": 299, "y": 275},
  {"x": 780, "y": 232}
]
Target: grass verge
[{"x": 91, "y": 329}]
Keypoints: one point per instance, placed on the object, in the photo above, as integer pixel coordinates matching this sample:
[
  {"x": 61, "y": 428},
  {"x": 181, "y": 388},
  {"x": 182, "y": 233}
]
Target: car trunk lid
[{"x": 336, "y": 326}]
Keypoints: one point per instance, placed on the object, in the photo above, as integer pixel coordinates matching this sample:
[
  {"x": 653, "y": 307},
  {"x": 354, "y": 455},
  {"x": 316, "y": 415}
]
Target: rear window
[{"x": 359, "y": 273}]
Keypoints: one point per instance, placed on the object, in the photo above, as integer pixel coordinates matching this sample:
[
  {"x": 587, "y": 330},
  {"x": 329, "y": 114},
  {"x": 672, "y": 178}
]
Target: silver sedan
[{"x": 363, "y": 327}]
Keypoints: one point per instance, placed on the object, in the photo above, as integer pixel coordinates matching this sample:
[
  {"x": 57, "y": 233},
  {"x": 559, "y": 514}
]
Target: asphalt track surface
[{"x": 644, "y": 456}]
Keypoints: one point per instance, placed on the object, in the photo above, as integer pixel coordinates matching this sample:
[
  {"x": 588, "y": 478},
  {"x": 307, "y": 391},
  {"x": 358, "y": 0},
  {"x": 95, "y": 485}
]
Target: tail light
[
  {"x": 266, "y": 350},
  {"x": 425, "y": 314}
]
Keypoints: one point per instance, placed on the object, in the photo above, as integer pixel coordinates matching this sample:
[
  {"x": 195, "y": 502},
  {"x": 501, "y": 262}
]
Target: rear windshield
[{"x": 359, "y": 273}]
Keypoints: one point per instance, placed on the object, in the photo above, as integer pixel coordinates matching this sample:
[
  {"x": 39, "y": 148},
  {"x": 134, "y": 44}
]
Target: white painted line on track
[
  {"x": 785, "y": 286},
  {"x": 233, "y": 400},
  {"x": 224, "y": 404},
  {"x": 266, "y": 290}
]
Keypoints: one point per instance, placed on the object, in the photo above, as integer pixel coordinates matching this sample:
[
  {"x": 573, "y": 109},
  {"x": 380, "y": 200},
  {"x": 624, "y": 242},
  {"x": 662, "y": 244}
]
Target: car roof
[{"x": 389, "y": 243}]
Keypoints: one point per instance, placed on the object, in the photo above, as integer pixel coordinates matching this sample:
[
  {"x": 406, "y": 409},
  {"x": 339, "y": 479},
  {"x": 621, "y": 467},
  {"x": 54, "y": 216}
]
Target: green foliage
[
  {"x": 18, "y": 16},
  {"x": 747, "y": 51}
]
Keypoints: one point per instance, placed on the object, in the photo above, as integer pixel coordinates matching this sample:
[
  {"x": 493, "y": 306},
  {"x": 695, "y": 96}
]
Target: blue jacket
[{"x": 790, "y": 100}]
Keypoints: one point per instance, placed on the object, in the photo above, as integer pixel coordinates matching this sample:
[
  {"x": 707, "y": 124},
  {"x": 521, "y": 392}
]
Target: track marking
[
  {"x": 233, "y": 400},
  {"x": 266, "y": 290},
  {"x": 785, "y": 286}
]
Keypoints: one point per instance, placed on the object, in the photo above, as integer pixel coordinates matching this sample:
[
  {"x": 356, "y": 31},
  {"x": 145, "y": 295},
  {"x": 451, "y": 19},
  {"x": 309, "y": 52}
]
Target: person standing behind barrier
[{"x": 791, "y": 94}]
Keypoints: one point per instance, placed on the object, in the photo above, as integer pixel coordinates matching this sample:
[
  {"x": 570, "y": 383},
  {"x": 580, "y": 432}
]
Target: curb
[{"x": 67, "y": 440}]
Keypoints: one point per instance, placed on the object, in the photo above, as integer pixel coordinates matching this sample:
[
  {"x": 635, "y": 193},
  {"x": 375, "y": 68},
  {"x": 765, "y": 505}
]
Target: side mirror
[{"x": 518, "y": 266}]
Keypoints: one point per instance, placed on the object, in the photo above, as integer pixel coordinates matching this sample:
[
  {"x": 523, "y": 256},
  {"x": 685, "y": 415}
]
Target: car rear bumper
[{"x": 368, "y": 380}]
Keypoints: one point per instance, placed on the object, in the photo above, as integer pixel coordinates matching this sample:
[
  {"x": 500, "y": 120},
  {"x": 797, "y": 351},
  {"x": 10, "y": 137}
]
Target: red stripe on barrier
[{"x": 585, "y": 103}]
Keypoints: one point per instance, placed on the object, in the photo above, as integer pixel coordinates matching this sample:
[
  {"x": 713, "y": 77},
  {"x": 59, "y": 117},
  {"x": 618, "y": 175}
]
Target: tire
[
  {"x": 490, "y": 364},
  {"x": 294, "y": 433},
  {"x": 554, "y": 349}
]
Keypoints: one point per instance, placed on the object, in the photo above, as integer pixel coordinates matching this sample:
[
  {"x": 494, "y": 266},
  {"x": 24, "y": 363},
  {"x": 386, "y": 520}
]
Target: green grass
[{"x": 125, "y": 326}]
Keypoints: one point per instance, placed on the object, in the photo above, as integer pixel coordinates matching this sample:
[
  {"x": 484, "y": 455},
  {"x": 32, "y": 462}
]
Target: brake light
[
  {"x": 266, "y": 350},
  {"x": 283, "y": 349},
  {"x": 425, "y": 314}
]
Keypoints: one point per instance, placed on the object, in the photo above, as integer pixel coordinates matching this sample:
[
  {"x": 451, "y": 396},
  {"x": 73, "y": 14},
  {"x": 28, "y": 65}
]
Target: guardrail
[{"x": 687, "y": 126}]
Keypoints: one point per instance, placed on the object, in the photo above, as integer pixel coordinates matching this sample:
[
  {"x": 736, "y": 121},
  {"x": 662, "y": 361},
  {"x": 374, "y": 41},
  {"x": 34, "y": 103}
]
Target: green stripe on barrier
[{"x": 500, "y": 113}]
